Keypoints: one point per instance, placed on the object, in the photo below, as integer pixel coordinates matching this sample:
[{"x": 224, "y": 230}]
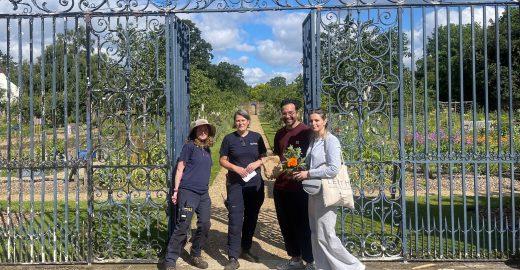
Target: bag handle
[{"x": 325, "y": 148}]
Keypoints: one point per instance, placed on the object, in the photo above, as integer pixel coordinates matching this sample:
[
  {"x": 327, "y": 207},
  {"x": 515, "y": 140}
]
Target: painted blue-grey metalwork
[
  {"x": 87, "y": 162},
  {"x": 143, "y": 6},
  {"x": 310, "y": 30},
  {"x": 423, "y": 100}
]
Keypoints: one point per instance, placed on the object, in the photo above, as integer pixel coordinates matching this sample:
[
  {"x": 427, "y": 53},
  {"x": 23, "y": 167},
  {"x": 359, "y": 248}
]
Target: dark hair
[
  {"x": 318, "y": 111},
  {"x": 322, "y": 114},
  {"x": 288, "y": 101}
]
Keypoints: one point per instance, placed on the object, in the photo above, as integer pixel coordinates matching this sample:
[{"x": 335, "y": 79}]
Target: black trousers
[
  {"x": 243, "y": 204},
  {"x": 293, "y": 217},
  {"x": 189, "y": 202}
]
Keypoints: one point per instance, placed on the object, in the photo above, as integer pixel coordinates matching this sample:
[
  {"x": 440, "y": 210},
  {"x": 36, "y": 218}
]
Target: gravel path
[{"x": 267, "y": 243}]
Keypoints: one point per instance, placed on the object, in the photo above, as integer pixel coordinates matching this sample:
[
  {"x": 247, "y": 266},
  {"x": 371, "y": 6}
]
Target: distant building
[{"x": 3, "y": 88}]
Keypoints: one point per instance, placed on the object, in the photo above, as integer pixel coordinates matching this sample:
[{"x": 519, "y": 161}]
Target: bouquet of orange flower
[{"x": 293, "y": 160}]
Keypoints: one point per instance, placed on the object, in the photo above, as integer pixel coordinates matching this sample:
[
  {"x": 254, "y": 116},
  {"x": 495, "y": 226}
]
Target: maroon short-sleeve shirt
[{"x": 297, "y": 137}]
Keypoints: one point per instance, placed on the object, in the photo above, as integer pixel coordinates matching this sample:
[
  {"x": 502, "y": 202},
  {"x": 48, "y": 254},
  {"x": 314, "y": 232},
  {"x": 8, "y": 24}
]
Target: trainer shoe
[
  {"x": 290, "y": 264},
  {"x": 171, "y": 267},
  {"x": 310, "y": 266},
  {"x": 248, "y": 256},
  {"x": 198, "y": 262},
  {"x": 232, "y": 264}
]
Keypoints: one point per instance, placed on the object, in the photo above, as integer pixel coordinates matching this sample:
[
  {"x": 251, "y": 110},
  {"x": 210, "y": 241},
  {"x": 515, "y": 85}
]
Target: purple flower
[{"x": 418, "y": 137}]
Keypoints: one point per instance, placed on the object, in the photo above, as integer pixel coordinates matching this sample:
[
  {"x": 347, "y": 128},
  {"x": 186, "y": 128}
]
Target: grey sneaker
[
  {"x": 290, "y": 264},
  {"x": 310, "y": 266}
]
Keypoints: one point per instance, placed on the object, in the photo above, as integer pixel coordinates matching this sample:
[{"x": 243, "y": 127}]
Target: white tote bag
[{"x": 337, "y": 191}]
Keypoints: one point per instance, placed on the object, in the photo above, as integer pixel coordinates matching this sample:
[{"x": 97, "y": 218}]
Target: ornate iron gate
[
  {"x": 428, "y": 130},
  {"x": 92, "y": 119}
]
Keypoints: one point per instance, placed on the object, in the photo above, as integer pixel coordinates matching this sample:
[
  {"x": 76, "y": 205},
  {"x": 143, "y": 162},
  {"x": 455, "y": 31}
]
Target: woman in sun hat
[{"x": 190, "y": 194}]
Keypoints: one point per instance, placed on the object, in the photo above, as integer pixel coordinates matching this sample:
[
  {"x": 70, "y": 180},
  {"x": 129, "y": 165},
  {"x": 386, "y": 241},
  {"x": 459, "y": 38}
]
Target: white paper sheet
[{"x": 249, "y": 176}]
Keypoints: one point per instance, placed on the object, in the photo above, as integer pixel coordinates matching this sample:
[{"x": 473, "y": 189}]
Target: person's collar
[{"x": 291, "y": 128}]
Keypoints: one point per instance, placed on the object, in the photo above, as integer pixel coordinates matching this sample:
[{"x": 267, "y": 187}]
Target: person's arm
[
  {"x": 333, "y": 162},
  {"x": 224, "y": 162},
  {"x": 262, "y": 150},
  {"x": 178, "y": 176}
]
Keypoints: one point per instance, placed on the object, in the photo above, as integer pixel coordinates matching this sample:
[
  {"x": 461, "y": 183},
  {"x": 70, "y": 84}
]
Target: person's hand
[
  {"x": 241, "y": 171},
  {"x": 300, "y": 176},
  {"x": 251, "y": 167},
  {"x": 174, "y": 197}
]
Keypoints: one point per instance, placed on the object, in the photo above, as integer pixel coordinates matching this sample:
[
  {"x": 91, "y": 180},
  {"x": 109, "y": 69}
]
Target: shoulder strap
[{"x": 340, "y": 151}]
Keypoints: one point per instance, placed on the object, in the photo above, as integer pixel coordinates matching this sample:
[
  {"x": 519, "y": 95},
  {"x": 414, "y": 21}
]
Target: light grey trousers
[{"x": 329, "y": 253}]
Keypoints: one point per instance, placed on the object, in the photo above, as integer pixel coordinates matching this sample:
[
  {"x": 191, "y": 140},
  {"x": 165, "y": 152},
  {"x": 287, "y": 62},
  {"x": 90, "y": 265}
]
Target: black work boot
[
  {"x": 232, "y": 264},
  {"x": 248, "y": 256},
  {"x": 198, "y": 262}
]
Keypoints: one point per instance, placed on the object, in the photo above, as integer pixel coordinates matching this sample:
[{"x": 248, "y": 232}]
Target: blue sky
[{"x": 264, "y": 44}]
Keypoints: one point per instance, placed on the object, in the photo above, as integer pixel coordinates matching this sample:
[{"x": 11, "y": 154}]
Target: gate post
[
  {"x": 178, "y": 89},
  {"x": 311, "y": 63},
  {"x": 401, "y": 133}
]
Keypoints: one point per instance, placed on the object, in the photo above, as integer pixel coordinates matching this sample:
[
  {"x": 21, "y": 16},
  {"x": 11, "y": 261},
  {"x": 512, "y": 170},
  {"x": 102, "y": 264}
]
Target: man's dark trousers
[
  {"x": 189, "y": 202},
  {"x": 293, "y": 217}
]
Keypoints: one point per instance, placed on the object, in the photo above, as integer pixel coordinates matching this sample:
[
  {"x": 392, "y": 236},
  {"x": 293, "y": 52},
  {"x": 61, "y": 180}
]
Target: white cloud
[
  {"x": 222, "y": 30},
  {"x": 256, "y": 75},
  {"x": 287, "y": 29},
  {"x": 242, "y": 60},
  {"x": 244, "y": 47},
  {"x": 277, "y": 54}
]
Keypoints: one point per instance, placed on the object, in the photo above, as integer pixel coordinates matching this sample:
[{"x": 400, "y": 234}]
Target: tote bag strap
[{"x": 325, "y": 150}]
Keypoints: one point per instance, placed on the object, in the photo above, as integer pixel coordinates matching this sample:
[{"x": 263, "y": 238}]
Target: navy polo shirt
[
  {"x": 198, "y": 168},
  {"x": 242, "y": 151}
]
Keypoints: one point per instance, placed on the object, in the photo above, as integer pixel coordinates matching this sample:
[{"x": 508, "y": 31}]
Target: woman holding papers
[{"x": 241, "y": 154}]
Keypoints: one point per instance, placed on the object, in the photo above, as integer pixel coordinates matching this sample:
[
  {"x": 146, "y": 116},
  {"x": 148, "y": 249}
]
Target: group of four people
[{"x": 307, "y": 226}]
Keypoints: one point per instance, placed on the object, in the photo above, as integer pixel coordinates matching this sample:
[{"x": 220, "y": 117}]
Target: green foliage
[
  {"x": 440, "y": 50},
  {"x": 228, "y": 77},
  {"x": 270, "y": 96}
]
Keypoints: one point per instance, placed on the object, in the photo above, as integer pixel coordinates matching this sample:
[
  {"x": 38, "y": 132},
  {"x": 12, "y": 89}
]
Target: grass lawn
[
  {"x": 269, "y": 131},
  {"x": 215, "y": 156}
]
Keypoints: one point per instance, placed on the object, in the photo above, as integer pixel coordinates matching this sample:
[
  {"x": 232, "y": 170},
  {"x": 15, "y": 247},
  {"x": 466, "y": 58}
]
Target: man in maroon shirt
[{"x": 289, "y": 198}]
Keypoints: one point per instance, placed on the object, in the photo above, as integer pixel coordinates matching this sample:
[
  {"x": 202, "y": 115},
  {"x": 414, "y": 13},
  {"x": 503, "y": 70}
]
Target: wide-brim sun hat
[{"x": 201, "y": 122}]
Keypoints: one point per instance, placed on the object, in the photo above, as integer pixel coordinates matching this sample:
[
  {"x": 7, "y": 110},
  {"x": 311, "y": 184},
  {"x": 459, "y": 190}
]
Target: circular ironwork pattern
[
  {"x": 358, "y": 54},
  {"x": 63, "y": 6},
  {"x": 132, "y": 164}
]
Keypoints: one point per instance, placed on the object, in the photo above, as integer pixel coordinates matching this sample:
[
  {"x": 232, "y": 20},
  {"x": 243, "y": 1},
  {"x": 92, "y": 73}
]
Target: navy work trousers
[
  {"x": 243, "y": 204},
  {"x": 293, "y": 216},
  {"x": 189, "y": 202}
]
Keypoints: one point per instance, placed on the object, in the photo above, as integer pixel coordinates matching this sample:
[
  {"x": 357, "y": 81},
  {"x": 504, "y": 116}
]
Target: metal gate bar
[{"x": 447, "y": 153}]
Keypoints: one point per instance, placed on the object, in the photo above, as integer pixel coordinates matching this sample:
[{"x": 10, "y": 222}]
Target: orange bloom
[{"x": 292, "y": 162}]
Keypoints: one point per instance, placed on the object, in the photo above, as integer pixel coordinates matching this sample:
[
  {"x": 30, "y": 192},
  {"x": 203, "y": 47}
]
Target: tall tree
[
  {"x": 229, "y": 77},
  {"x": 467, "y": 41},
  {"x": 200, "y": 49},
  {"x": 278, "y": 81}
]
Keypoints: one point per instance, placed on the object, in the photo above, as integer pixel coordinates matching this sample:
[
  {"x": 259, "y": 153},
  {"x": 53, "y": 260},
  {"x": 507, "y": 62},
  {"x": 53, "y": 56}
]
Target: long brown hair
[
  {"x": 207, "y": 143},
  {"x": 323, "y": 116}
]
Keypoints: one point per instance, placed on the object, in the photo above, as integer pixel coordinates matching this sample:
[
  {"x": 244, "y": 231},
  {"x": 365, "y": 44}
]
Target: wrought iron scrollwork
[
  {"x": 358, "y": 55},
  {"x": 63, "y": 6}
]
